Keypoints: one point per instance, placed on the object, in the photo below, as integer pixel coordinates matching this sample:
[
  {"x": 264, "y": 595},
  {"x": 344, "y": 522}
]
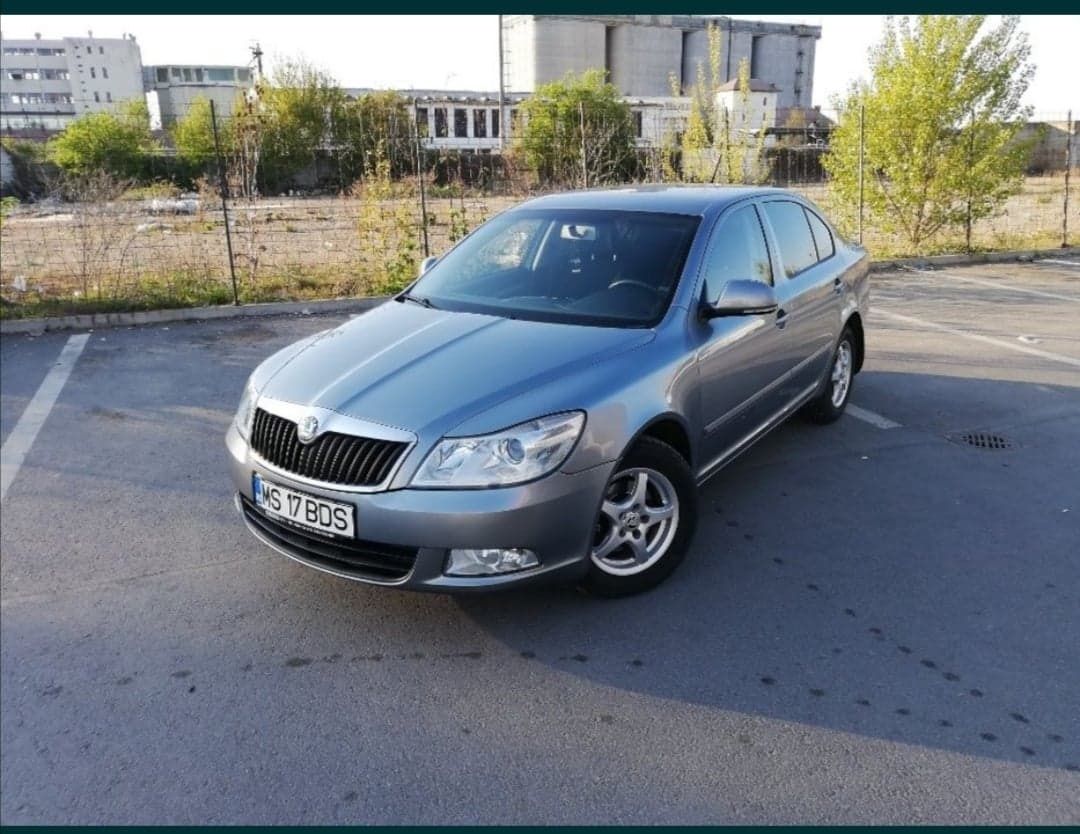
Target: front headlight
[
  {"x": 512, "y": 456},
  {"x": 245, "y": 413}
]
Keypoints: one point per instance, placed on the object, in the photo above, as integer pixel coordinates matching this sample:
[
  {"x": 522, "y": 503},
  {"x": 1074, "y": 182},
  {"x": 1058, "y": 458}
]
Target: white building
[
  {"x": 45, "y": 84},
  {"x": 171, "y": 90},
  {"x": 753, "y": 110}
]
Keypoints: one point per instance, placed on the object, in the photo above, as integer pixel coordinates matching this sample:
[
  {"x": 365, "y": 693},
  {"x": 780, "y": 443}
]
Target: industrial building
[
  {"x": 648, "y": 55},
  {"x": 172, "y": 89},
  {"x": 45, "y": 84}
]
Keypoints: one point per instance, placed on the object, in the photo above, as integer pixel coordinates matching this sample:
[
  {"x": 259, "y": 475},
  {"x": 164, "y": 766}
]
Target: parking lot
[{"x": 877, "y": 623}]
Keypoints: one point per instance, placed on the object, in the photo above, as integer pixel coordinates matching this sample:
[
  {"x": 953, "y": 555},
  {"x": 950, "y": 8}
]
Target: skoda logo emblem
[{"x": 307, "y": 428}]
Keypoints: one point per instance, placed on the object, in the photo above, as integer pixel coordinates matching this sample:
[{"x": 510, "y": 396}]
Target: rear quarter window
[{"x": 822, "y": 236}]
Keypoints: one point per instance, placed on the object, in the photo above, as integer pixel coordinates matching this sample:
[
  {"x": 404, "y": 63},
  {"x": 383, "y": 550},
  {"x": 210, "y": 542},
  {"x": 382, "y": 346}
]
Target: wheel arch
[{"x": 668, "y": 428}]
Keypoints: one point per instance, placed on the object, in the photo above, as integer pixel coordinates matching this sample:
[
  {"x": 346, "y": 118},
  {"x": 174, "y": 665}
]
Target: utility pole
[
  {"x": 502, "y": 90},
  {"x": 257, "y": 54}
]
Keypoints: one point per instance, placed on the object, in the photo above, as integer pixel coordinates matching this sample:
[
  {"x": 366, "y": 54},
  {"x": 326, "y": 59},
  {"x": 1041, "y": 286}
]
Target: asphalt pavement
[{"x": 877, "y": 623}]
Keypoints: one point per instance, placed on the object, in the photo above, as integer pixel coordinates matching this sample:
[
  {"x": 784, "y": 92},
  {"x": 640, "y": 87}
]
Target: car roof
[{"x": 671, "y": 199}]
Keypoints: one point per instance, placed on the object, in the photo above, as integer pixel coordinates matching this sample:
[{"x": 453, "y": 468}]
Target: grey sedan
[{"x": 543, "y": 402}]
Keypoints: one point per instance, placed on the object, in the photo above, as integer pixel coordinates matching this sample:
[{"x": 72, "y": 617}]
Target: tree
[
  {"x": 941, "y": 117},
  {"x": 714, "y": 149},
  {"x": 193, "y": 134},
  {"x": 577, "y": 131},
  {"x": 297, "y": 111},
  {"x": 117, "y": 143}
]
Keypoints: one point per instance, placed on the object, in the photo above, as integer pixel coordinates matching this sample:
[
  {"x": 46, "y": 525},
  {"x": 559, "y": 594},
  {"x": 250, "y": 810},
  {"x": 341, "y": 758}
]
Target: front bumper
[{"x": 404, "y": 535}]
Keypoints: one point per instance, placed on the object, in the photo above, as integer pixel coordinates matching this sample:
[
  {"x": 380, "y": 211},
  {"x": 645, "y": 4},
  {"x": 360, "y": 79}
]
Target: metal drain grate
[{"x": 983, "y": 440}]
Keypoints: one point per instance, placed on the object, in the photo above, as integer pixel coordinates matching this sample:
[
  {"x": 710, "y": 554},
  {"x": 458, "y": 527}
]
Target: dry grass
[{"x": 86, "y": 257}]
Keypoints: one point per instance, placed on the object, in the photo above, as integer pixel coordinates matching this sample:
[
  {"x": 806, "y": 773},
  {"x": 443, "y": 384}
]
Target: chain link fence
[{"x": 205, "y": 235}]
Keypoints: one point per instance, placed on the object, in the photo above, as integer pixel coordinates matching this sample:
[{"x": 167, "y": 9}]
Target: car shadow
[{"x": 892, "y": 584}]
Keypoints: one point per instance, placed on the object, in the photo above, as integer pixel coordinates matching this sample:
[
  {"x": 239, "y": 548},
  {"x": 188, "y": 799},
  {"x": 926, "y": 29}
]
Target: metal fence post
[
  {"x": 420, "y": 181},
  {"x": 1068, "y": 166},
  {"x": 862, "y": 154},
  {"x": 224, "y": 188}
]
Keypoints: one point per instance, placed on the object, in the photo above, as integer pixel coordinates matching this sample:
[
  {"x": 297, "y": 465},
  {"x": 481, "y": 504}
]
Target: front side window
[
  {"x": 797, "y": 250},
  {"x": 737, "y": 252},
  {"x": 590, "y": 267}
]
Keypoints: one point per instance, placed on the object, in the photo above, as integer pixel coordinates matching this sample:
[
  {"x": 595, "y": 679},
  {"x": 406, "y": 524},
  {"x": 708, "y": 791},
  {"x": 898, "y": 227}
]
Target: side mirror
[
  {"x": 428, "y": 263},
  {"x": 741, "y": 298}
]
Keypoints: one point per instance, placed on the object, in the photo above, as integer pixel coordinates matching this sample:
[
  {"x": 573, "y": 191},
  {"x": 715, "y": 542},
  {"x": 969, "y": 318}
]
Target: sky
[{"x": 461, "y": 51}]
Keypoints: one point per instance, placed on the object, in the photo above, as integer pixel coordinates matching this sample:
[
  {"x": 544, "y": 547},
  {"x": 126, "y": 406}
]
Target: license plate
[{"x": 327, "y": 517}]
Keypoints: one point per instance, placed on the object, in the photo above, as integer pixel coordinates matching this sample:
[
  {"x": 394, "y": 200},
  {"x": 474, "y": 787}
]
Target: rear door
[
  {"x": 739, "y": 357},
  {"x": 808, "y": 289}
]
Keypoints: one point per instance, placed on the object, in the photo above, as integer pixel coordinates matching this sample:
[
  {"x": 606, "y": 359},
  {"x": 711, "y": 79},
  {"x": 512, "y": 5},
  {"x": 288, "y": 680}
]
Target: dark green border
[{"x": 741, "y": 8}]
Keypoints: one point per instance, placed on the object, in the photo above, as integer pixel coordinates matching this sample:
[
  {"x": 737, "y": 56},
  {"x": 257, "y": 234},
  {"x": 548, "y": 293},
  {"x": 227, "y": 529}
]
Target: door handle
[
  {"x": 781, "y": 318},
  {"x": 838, "y": 285}
]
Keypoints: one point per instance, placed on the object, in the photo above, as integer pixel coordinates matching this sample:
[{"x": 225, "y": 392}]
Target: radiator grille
[{"x": 331, "y": 458}]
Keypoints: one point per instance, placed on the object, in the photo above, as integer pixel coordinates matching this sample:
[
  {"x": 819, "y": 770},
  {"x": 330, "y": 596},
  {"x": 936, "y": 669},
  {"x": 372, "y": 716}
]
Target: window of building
[
  {"x": 219, "y": 74},
  {"x": 243, "y": 75},
  {"x": 97, "y": 97},
  {"x": 793, "y": 236},
  {"x": 637, "y": 123},
  {"x": 101, "y": 50},
  {"x": 440, "y": 122},
  {"x": 755, "y": 55},
  {"x": 187, "y": 73},
  {"x": 89, "y": 50},
  {"x": 823, "y": 239},
  {"x": 93, "y": 72},
  {"x": 163, "y": 75},
  {"x": 737, "y": 252},
  {"x": 108, "y": 96},
  {"x": 175, "y": 73},
  {"x": 198, "y": 74},
  {"x": 421, "y": 121},
  {"x": 495, "y": 123},
  {"x": 461, "y": 122},
  {"x": 104, "y": 72},
  {"x": 479, "y": 123}
]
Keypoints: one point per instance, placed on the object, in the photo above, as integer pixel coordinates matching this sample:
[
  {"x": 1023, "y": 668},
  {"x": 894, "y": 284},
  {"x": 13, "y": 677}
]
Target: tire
[
  {"x": 633, "y": 551},
  {"x": 836, "y": 388}
]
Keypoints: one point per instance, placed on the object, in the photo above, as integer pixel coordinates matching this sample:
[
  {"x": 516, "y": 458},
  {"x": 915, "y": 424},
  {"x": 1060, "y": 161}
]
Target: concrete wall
[
  {"x": 539, "y": 50},
  {"x": 642, "y": 58}
]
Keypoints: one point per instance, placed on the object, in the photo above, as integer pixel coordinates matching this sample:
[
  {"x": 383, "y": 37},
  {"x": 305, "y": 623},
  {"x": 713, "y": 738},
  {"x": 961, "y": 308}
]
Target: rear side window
[
  {"x": 793, "y": 236},
  {"x": 737, "y": 252},
  {"x": 822, "y": 236}
]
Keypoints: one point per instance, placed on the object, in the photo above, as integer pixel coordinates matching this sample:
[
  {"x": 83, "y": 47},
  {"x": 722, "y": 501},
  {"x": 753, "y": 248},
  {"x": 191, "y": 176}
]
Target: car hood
[{"x": 428, "y": 370}]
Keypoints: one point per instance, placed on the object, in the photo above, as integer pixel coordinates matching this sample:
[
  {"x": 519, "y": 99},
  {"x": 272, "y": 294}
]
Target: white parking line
[
  {"x": 872, "y": 418},
  {"x": 1055, "y": 261},
  {"x": 26, "y": 430},
  {"x": 978, "y": 337},
  {"x": 1000, "y": 286}
]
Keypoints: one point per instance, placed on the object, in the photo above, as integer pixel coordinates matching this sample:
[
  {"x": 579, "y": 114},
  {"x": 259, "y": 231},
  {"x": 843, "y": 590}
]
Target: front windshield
[{"x": 613, "y": 268}]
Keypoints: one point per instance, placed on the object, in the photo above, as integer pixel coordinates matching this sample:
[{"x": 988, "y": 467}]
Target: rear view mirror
[
  {"x": 741, "y": 298},
  {"x": 577, "y": 231},
  {"x": 428, "y": 263}
]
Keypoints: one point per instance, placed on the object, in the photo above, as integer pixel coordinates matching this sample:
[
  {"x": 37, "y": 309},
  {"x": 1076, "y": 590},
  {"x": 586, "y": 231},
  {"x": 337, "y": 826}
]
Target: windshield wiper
[{"x": 417, "y": 299}]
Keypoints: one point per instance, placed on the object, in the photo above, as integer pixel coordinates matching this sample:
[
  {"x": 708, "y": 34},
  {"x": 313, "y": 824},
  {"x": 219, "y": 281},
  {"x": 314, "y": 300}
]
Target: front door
[{"x": 740, "y": 358}]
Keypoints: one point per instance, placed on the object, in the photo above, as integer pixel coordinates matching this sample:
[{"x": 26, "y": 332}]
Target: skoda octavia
[{"x": 544, "y": 400}]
